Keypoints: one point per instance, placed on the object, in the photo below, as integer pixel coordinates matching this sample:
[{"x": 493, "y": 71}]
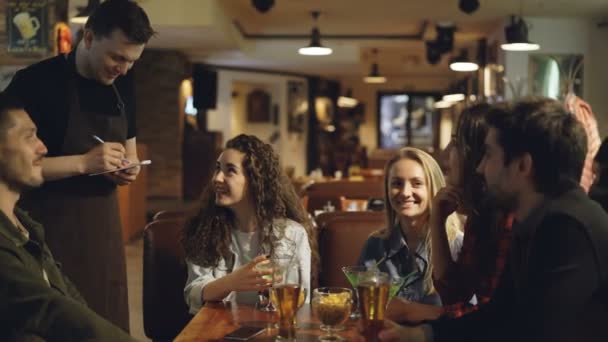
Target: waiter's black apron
[{"x": 81, "y": 216}]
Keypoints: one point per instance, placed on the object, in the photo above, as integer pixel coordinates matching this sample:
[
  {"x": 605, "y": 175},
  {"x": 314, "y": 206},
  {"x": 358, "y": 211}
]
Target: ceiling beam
[{"x": 416, "y": 36}]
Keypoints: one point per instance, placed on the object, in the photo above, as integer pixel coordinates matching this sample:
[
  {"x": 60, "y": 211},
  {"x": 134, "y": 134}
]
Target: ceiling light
[
  {"x": 455, "y": 97},
  {"x": 433, "y": 52},
  {"x": 315, "y": 48},
  {"x": 262, "y": 6},
  {"x": 445, "y": 36},
  {"x": 374, "y": 75},
  {"x": 443, "y": 104},
  {"x": 84, "y": 12},
  {"x": 468, "y": 6},
  {"x": 347, "y": 101},
  {"x": 516, "y": 35},
  {"x": 456, "y": 92},
  {"x": 462, "y": 64}
]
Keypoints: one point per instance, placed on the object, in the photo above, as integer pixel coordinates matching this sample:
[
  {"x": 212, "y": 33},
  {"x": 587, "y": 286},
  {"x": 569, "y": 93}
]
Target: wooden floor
[{"x": 134, "y": 253}]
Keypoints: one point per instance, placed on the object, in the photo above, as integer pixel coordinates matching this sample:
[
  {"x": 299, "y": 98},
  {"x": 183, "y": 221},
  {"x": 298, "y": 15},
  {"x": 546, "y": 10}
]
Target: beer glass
[
  {"x": 373, "y": 290},
  {"x": 285, "y": 294}
]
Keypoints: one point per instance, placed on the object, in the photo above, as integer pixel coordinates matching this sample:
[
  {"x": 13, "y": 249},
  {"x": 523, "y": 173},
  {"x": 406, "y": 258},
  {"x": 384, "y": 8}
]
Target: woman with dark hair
[
  {"x": 250, "y": 213},
  {"x": 472, "y": 278},
  {"x": 487, "y": 231}
]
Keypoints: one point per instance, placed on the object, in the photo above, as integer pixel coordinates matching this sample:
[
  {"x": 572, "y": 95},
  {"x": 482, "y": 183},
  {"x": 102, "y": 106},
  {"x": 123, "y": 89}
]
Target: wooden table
[{"x": 217, "y": 319}]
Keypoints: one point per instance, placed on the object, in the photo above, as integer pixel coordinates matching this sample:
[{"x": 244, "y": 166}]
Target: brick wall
[{"x": 160, "y": 120}]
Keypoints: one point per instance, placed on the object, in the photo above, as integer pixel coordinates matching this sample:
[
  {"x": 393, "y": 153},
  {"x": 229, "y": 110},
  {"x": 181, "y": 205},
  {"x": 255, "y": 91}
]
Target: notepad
[{"x": 126, "y": 167}]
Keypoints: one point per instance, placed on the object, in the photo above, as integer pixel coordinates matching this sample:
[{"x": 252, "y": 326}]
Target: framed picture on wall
[
  {"x": 27, "y": 27},
  {"x": 258, "y": 107},
  {"x": 297, "y": 106},
  {"x": 406, "y": 119}
]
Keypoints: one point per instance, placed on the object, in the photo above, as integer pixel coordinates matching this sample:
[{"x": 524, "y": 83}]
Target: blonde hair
[{"x": 434, "y": 181}]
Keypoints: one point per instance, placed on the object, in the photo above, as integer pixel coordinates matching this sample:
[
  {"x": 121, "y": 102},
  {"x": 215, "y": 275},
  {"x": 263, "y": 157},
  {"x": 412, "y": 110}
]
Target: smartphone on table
[{"x": 244, "y": 333}]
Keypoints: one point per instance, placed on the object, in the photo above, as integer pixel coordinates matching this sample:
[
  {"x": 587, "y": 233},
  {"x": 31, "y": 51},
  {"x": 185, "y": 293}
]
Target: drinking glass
[
  {"x": 395, "y": 285},
  {"x": 397, "y": 282},
  {"x": 353, "y": 273},
  {"x": 264, "y": 303},
  {"x": 301, "y": 301},
  {"x": 285, "y": 294},
  {"x": 373, "y": 290},
  {"x": 332, "y": 306}
]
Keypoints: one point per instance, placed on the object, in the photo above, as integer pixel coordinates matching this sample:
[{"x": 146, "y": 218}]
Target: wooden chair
[
  {"x": 341, "y": 240},
  {"x": 164, "y": 278},
  {"x": 352, "y": 204},
  {"x": 304, "y": 202},
  {"x": 174, "y": 214},
  {"x": 373, "y": 174},
  {"x": 321, "y": 193}
]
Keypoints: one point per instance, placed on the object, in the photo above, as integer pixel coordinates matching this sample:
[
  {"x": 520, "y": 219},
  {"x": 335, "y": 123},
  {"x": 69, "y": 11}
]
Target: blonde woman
[{"x": 413, "y": 178}]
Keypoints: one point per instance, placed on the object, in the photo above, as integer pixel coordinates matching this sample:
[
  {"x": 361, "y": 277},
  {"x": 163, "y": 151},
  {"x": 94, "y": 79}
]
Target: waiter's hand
[
  {"x": 127, "y": 176},
  {"x": 103, "y": 157}
]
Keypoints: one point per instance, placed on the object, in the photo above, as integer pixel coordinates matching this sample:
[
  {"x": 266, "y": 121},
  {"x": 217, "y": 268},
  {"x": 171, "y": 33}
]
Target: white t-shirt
[
  {"x": 294, "y": 242},
  {"x": 247, "y": 247}
]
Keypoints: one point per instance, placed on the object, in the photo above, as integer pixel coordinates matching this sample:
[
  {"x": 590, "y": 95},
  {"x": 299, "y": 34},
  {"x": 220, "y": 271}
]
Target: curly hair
[{"x": 207, "y": 236}]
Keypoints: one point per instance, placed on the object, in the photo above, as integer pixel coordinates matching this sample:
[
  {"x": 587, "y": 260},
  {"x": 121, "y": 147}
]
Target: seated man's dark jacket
[
  {"x": 555, "y": 285},
  {"x": 31, "y": 308}
]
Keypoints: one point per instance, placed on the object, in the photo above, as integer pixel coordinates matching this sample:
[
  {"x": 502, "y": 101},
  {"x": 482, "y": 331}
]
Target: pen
[
  {"x": 103, "y": 142},
  {"x": 98, "y": 139}
]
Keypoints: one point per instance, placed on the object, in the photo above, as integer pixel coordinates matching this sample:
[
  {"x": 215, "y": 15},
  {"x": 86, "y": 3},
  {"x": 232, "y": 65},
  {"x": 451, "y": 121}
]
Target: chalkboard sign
[{"x": 27, "y": 26}]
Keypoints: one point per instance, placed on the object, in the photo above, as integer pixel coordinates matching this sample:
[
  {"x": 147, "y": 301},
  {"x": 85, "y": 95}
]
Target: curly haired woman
[{"x": 249, "y": 213}]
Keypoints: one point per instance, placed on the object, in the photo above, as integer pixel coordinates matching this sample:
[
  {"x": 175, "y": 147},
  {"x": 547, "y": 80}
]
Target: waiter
[{"x": 72, "y": 98}]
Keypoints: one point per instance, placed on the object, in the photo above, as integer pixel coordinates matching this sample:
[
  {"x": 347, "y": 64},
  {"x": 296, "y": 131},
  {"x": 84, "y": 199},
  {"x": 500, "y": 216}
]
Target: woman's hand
[
  {"x": 446, "y": 201},
  {"x": 253, "y": 276}
]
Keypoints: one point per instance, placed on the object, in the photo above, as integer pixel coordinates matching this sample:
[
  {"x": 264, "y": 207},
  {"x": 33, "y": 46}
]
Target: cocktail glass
[{"x": 353, "y": 273}]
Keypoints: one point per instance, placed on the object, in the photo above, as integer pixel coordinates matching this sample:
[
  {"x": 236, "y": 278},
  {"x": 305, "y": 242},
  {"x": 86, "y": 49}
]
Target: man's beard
[
  {"x": 501, "y": 200},
  {"x": 17, "y": 185}
]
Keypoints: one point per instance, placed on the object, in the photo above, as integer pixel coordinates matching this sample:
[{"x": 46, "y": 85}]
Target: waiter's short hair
[
  {"x": 125, "y": 15},
  {"x": 8, "y": 103}
]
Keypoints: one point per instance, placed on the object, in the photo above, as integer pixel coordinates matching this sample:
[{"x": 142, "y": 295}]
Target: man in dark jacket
[
  {"x": 37, "y": 303},
  {"x": 599, "y": 190},
  {"x": 555, "y": 284}
]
